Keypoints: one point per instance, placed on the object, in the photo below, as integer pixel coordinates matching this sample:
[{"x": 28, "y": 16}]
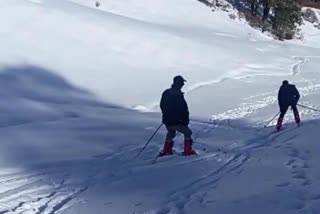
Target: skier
[
  {"x": 288, "y": 96},
  {"x": 175, "y": 116}
]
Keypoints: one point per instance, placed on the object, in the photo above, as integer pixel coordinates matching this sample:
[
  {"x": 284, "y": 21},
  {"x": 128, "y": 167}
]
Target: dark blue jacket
[
  {"x": 288, "y": 95},
  {"x": 174, "y": 107}
]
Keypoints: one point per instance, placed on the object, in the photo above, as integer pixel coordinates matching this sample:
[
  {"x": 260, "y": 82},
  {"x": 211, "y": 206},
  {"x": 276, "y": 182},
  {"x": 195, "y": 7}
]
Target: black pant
[{"x": 284, "y": 109}]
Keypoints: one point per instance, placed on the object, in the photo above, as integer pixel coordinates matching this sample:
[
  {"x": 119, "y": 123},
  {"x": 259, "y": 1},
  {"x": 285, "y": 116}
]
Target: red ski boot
[
  {"x": 188, "y": 148},
  {"x": 167, "y": 149}
]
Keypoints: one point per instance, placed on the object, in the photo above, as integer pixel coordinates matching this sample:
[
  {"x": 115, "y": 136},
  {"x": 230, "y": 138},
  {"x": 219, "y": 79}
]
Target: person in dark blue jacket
[
  {"x": 175, "y": 116},
  {"x": 288, "y": 95}
]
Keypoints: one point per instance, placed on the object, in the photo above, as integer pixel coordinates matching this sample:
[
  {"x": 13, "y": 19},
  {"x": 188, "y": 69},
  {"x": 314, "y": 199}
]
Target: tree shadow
[
  {"x": 28, "y": 92},
  {"x": 37, "y": 109},
  {"x": 51, "y": 132}
]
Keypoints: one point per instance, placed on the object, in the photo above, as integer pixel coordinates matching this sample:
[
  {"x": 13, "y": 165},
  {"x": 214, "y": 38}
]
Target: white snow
[
  {"x": 80, "y": 87},
  {"x": 310, "y": 31}
]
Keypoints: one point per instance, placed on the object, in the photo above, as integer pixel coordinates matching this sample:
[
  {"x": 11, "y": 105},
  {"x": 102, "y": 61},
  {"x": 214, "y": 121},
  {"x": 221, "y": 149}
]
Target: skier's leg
[
  {"x": 168, "y": 145},
  {"x": 296, "y": 114},
  {"x": 283, "y": 111},
  {"x": 171, "y": 133},
  {"x": 186, "y": 131}
]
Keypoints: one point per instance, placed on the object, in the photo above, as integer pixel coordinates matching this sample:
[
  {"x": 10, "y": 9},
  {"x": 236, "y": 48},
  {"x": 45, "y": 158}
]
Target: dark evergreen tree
[{"x": 287, "y": 16}]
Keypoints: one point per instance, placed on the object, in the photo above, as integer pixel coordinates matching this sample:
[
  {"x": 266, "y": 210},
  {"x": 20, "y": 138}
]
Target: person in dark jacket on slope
[
  {"x": 175, "y": 116},
  {"x": 288, "y": 96}
]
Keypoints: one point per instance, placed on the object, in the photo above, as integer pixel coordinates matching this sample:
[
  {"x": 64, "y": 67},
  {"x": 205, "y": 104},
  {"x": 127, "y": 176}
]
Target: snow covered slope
[
  {"x": 309, "y": 30},
  {"x": 107, "y": 51},
  {"x": 125, "y": 49},
  {"x": 69, "y": 70}
]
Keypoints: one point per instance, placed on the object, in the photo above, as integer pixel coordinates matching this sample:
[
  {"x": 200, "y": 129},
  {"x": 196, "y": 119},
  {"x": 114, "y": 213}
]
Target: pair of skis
[
  {"x": 281, "y": 129},
  {"x": 174, "y": 153}
]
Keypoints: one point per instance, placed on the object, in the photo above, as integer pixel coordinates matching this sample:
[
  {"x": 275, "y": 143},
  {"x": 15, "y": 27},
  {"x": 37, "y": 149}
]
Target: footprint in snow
[
  {"x": 211, "y": 202},
  {"x": 293, "y": 152},
  {"x": 315, "y": 197},
  {"x": 138, "y": 204},
  {"x": 305, "y": 165},
  {"x": 283, "y": 184},
  {"x": 306, "y": 183},
  {"x": 299, "y": 174},
  {"x": 290, "y": 162}
]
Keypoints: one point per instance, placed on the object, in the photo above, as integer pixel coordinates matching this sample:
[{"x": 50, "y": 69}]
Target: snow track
[
  {"x": 234, "y": 160},
  {"x": 47, "y": 192}
]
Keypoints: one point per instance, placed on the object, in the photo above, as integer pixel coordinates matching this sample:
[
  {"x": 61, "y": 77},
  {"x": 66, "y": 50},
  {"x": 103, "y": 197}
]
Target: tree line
[{"x": 281, "y": 17}]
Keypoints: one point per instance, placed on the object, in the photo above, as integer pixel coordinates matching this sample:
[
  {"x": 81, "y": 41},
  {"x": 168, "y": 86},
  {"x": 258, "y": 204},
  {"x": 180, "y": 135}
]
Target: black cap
[
  {"x": 285, "y": 82},
  {"x": 178, "y": 79}
]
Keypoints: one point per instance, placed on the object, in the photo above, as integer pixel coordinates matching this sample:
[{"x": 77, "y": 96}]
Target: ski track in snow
[
  {"x": 179, "y": 198},
  {"x": 238, "y": 156},
  {"x": 267, "y": 99},
  {"x": 253, "y": 104},
  {"x": 37, "y": 192},
  {"x": 296, "y": 69},
  {"x": 298, "y": 165},
  {"x": 196, "y": 190},
  {"x": 50, "y": 190}
]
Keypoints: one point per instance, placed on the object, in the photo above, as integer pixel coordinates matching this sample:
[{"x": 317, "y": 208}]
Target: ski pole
[
  {"x": 149, "y": 140},
  {"x": 271, "y": 120},
  {"x": 307, "y": 107}
]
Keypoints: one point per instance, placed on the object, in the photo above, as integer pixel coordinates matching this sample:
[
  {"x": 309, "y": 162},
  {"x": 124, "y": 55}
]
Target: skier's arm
[
  {"x": 163, "y": 101},
  {"x": 185, "y": 111},
  {"x": 297, "y": 95},
  {"x": 279, "y": 97}
]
